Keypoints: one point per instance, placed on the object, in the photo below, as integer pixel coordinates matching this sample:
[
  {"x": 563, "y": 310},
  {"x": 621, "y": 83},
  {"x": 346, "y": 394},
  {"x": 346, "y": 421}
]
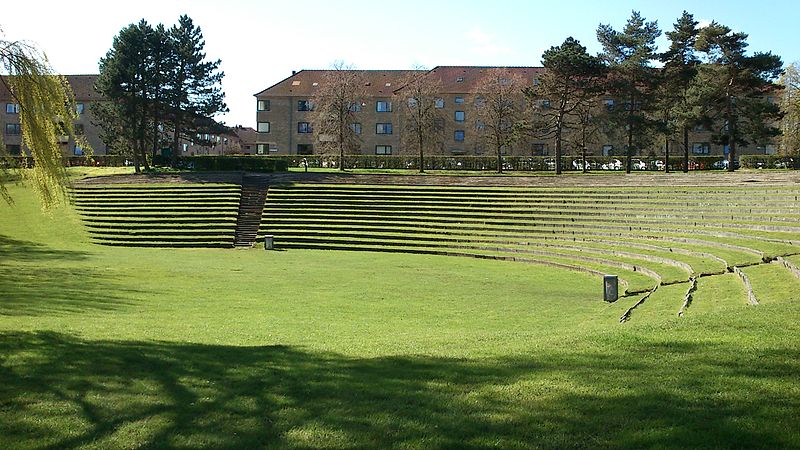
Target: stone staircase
[{"x": 251, "y": 206}]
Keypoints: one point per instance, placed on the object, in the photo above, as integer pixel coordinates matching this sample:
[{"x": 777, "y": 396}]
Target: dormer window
[{"x": 459, "y": 79}]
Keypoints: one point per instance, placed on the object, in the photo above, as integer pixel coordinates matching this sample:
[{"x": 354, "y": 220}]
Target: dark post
[
  {"x": 610, "y": 288},
  {"x": 269, "y": 243}
]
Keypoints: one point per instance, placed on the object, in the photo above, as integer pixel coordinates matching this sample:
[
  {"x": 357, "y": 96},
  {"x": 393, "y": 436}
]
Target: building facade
[
  {"x": 285, "y": 128},
  {"x": 85, "y": 96}
]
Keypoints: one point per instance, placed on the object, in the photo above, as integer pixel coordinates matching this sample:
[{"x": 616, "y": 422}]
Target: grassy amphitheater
[
  {"x": 651, "y": 237},
  {"x": 413, "y": 312}
]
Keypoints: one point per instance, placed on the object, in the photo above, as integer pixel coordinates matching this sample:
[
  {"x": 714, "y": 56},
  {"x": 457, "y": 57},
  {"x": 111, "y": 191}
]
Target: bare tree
[
  {"x": 584, "y": 129},
  {"x": 498, "y": 110},
  {"x": 334, "y": 105},
  {"x": 420, "y": 115}
]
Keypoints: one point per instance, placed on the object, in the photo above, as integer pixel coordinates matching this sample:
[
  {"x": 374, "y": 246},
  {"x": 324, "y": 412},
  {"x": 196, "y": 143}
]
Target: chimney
[{"x": 294, "y": 72}]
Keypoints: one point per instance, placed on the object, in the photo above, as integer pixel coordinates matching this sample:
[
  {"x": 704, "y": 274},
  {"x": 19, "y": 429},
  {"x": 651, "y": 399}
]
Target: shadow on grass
[
  {"x": 36, "y": 279},
  {"x": 58, "y": 391}
]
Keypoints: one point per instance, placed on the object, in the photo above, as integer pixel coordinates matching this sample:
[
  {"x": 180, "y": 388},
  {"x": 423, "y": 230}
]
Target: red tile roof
[
  {"x": 377, "y": 82},
  {"x": 464, "y": 79}
]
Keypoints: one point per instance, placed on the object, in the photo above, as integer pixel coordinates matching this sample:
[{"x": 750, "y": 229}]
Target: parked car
[
  {"x": 614, "y": 164},
  {"x": 638, "y": 164}
]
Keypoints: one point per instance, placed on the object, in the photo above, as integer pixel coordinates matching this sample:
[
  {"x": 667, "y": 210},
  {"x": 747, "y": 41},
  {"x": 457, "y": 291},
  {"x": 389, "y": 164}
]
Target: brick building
[
  {"x": 284, "y": 126},
  {"x": 85, "y": 95}
]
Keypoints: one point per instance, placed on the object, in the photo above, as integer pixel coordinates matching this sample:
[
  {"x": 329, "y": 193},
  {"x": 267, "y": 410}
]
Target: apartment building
[
  {"x": 284, "y": 125},
  {"x": 85, "y": 95}
]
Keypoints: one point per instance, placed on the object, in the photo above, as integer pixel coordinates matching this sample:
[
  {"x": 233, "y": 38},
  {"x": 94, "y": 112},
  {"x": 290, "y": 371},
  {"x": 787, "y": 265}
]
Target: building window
[
  {"x": 460, "y": 116},
  {"x": 412, "y": 102},
  {"x": 185, "y": 147},
  {"x": 305, "y": 149},
  {"x": 539, "y": 149},
  {"x": 78, "y": 129},
  {"x": 458, "y": 100},
  {"x": 12, "y": 128},
  {"x": 459, "y": 79},
  {"x": 77, "y": 150},
  {"x": 770, "y": 149},
  {"x": 383, "y": 128},
  {"x": 458, "y": 135},
  {"x": 356, "y": 128},
  {"x": 79, "y": 108},
  {"x": 263, "y": 127},
  {"x": 609, "y": 103},
  {"x": 262, "y": 148},
  {"x": 383, "y": 106},
  {"x": 438, "y": 123},
  {"x": 383, "y": 149},
  {"x": 439, "y": 102},
  {"x": 480, "y": 125},
  {"x": 536, "y": 82},
  {"x": 273, "y": 148},
  {"x": 304, "y": 127},
  {"x": 305, "y": 105},
  {"x": 13, "y": 149},
  {"x": 701, "y": 148},
  {"x": 263, "y": 105},
  {"x": 545, "y": 104},
  {"x": 480, "y": 101},
  {"x": 699, "y": 128},
  {"x": 355, "y": 107},
  {"x": 608, "y": 150},
  {"x": 12, "y": 108}
]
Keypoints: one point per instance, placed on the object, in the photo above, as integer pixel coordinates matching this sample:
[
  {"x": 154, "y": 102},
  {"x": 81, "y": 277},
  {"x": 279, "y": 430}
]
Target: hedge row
[{"x": 253, "y": 163}]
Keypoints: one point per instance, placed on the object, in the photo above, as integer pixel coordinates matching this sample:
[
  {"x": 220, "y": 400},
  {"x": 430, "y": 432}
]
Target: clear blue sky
[{"x": 261, "y": 42}]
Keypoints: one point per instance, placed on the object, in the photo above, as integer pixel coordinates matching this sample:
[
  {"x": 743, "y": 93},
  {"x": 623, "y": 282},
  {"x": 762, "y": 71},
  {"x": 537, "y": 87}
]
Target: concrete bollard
[
  {"x": 610, "y": 288},
  {"x": 269, "y": 242}
]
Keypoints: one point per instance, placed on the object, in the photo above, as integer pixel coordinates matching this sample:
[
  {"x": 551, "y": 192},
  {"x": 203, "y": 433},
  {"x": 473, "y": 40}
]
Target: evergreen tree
[
  {"x": 629, "y": 54},
  {"x": 571, "y": 82},
  {"x": 734, "y": 87},
  {"x": 193, "y": 93},
  {"x": 679, "y": 113},
  {"x": 126, "y": 80}
]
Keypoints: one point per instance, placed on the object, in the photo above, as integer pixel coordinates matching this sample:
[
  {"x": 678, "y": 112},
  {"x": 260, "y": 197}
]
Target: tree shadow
[
  {"x": 59, "y": 391},
  {"x": 35, "y": 281}
]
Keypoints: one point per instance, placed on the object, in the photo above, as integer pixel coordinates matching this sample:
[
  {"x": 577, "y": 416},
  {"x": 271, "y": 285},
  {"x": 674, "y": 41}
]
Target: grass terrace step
[{"x": 159, "y": 215}]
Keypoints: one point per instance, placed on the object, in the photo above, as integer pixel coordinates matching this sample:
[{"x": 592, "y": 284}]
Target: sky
[{"x": 261, "y": 42}]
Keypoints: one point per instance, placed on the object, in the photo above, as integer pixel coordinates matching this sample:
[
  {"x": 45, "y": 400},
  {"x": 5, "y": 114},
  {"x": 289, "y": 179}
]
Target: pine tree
[
  {"x": 679, "y": 113},
  {"x": 629, "y": 54},
  {"x": 194, "y": 93},
  {"x": 734, "y": 86},
  {"x": 571, "y": 82}
]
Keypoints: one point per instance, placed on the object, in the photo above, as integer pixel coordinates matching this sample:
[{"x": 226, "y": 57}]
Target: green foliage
[
  {"x": 733, "y": 85},
  {"x": 157, "y": 79},
  {"x": 46, "y": 112},
  {"x": 629, "y": 54},
  {"x": 571, "y": 84}
]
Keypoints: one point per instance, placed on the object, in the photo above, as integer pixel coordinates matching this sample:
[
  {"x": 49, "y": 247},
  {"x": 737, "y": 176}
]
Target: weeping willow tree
[{"x": 46, "y": 113}]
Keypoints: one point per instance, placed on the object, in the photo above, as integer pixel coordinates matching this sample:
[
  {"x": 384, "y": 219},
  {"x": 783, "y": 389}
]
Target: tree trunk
[
  {"x": 583, "y": 156},
  {"x": 499, "y": 160},
  {"x": 666, "y": 155},
  {"x": 176, "y": 142},
  {"x": 421, "y": 156},
  {"x": 558, "y": 143},
  {"x": 685, "y": 149},
  {"x": 731, "y": 137}
]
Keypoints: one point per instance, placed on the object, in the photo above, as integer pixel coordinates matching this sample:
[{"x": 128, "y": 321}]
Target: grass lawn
[{"x": 104, "y": 347}]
